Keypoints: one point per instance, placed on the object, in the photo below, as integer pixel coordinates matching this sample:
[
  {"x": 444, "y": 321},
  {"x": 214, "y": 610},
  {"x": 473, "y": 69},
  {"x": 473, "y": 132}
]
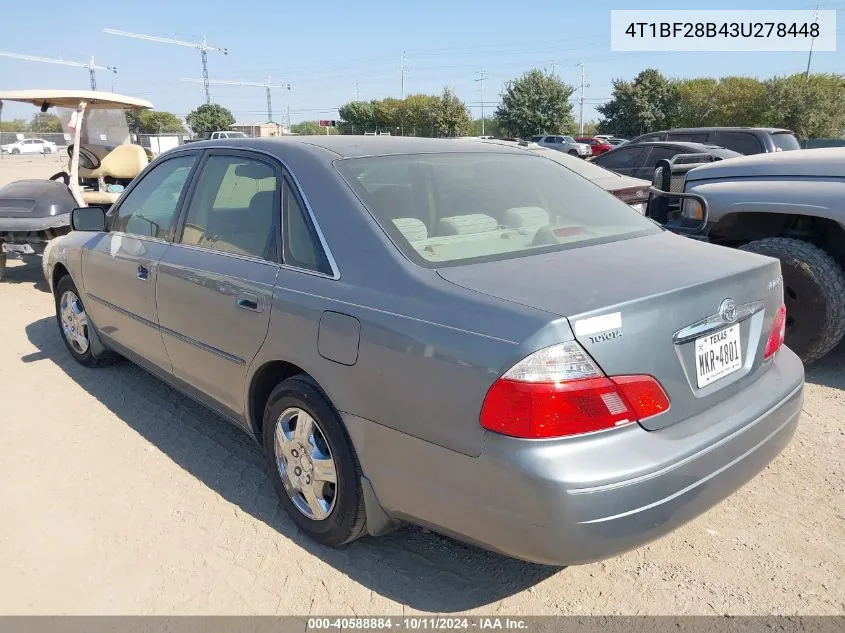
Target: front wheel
[
  {"x": 312, "y": 463},
  {"x": 75, "y": 327},
  {"x": 813, "y": 292},
  {"x": 572, "y": 152},
  {"x": 15, "y": 151}
]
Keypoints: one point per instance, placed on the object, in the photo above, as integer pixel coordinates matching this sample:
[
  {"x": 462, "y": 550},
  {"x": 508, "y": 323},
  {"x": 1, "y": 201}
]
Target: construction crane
[
  {"x": 267, "y": 85},
  {"x": 91, "y": 66},
  {"x": 202, "y": 47}
]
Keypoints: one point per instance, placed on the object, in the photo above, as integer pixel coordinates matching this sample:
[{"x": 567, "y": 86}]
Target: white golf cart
[{"x": 102, "y": 160}]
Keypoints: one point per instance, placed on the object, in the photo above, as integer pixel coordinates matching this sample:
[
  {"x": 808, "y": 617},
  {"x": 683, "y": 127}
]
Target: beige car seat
[{"x": 124, "y": 162}]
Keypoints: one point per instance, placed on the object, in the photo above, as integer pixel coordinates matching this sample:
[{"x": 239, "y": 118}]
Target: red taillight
[
  {"x": 777, "y": 334},
  {"x": 545, "y": 396}
]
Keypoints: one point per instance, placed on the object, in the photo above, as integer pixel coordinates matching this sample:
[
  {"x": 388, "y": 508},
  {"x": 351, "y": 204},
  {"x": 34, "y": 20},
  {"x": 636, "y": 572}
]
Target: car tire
[
  {"x": 573, "y": 152},
  {"x": 47, "y": 150},
  {"x": 814, "y": 294},
  {"x": 345, "y": 519},
  {"x": 74, "y": 331},
  {"x": 15, "y": 151}
]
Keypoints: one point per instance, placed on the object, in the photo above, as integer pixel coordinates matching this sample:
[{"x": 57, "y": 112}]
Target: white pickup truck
[{"x": 213, "y": 136}]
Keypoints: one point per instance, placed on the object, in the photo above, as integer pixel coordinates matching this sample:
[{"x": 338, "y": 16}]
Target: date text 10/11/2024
[{"x": 420, "y": 623}]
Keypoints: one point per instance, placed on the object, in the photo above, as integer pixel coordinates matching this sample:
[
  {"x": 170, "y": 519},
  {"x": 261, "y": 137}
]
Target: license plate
[
  {"x": 25, "y": 249},
  {"x": 717, "y": 355}
]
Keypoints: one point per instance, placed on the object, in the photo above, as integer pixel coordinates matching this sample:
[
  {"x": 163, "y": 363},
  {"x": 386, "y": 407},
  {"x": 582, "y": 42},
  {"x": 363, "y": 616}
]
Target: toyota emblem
[{"x": 728, "y": 310}]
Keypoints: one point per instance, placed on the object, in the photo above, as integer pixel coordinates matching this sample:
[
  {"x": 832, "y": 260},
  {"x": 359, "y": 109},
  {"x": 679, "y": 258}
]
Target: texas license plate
[
  {"x": 717, "y": 355},
  {"x": 25, "y": 249}
]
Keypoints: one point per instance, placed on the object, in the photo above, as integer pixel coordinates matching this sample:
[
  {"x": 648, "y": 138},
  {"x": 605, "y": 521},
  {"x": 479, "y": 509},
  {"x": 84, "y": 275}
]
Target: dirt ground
[{"x": 121, "y": 496}]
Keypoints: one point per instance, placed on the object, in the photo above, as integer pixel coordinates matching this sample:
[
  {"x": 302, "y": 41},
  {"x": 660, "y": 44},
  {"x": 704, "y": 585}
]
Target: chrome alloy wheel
[
  {"x": 74, "y": 321},
  {"x": 305, "y": 463}
]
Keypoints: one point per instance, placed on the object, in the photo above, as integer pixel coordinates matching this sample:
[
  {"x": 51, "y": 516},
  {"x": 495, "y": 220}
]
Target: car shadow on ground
[
  {"x": 830, "y": 370},
  {"x": 412, "y": 566},
  {"x": 25, "y": 271}
]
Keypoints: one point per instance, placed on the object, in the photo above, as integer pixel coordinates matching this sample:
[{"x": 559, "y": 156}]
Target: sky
[{"x": 324, "y": 48}]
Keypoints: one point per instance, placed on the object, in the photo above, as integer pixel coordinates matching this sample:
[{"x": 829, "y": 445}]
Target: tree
[
  {"x": 491, "y": 127},
  {"x": 15, "y": 125},
  {"x": 697, "y": 99},
  {"x": 310, "y": 128},
  {"x": 420, "y": 115},
  {"x": 210, "y": 117},
  {"x": 160, "y": 123},
  {"x": 648, "y": 103},
  {"x": 451, "y": 115},
  {"x": 812, "y": 107},
  {"x": 536, "y": 103},
  {"x": 43, "y": 122},
  {"x": 740, "y": 101},
  {"x": 358, "y": 117}
]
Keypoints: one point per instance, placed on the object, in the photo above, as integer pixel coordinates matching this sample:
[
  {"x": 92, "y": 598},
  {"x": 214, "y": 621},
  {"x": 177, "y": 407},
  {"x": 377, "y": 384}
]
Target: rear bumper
[{"x": 564, "y": 502}]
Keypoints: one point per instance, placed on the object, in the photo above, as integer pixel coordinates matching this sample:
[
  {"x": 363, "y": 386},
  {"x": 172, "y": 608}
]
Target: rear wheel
[
  {"x": 312, "y": 463},
  {"x": 47, "y": 150},
  {"x": 814, "y": 294}
]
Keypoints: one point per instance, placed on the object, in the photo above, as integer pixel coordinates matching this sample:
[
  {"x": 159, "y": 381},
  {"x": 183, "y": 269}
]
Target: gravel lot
[{"x": 122, "y": 496}]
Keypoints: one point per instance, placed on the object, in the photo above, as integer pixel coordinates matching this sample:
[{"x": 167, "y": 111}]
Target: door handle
[
  {"x": 143, "y": 273},
  {"x": 249, "y": 302}
]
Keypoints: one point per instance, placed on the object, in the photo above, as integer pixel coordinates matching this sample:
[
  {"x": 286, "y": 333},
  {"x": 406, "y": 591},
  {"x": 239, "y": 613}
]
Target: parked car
[
  {"x": 632, "y": 191},
  {"x": 453, "y": 333},
  {"x": 789, "y": 206},
  {"x": 214, "y": 136},
  {"x": 617, "y": 141},
  {"x": 639, "y": 159},
  {"x": 598, "y": 145},
  {"x": 744, "y": 140},
  {"x": 565, "y": 144},
  {"x": 29, "y": 146}
]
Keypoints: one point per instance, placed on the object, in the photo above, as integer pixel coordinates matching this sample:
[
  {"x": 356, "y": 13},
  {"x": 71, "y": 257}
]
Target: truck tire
[
  {"x": 814, "y": 294},
  {"x": 2, "y": 265}
]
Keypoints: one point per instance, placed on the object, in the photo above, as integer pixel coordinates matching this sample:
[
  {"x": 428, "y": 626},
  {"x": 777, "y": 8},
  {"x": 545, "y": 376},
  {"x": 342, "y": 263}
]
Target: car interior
[{"x": 476, "y": 210}]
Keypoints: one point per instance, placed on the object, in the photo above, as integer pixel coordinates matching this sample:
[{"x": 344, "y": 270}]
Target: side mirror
[{"x": 88, "y": 219}]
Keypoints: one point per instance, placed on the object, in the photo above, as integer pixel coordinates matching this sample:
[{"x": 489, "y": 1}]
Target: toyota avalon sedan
[{"x": 462, "y": 335}]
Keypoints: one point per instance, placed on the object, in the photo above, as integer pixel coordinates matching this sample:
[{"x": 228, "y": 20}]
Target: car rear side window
[
  {"x": 785, "y": 141},
  {"x": 453, "y": 208},
  {"x": 688, "y": 137},
  {"x": 623, "y": 158},
  {"x": 741, "y": 142},
  {"x": 234, "y": 207},
  {"x": 150, "y": 208},
  {"x": 302, "y": 244}
]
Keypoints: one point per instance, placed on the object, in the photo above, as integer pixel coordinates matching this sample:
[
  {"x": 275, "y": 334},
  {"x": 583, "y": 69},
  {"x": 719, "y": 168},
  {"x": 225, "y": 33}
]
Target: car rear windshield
[
  {"x": 785, "y": 141},
  {"x": 454, "y": 208}
]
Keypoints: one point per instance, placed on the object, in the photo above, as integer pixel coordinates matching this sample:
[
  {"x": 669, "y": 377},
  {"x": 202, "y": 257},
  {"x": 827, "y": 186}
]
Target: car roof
[
  {"x": 698, "y": 147},
  {"x": 72, "y": 98},
  {"x": 770, "y": 130},
  {"x": 353, "y": 146}
]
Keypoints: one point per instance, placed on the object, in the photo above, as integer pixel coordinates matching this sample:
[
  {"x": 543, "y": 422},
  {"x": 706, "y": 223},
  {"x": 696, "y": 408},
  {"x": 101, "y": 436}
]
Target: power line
[
  {"x": 91, "y": 66},
  {"x": 267, "y": 85},
  {"x": 202, "y": 46}
]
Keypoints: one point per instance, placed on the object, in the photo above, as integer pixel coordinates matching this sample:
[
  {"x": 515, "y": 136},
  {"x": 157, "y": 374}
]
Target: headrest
[
  {"x": 413, "y": 229},
  {"x": 466, "y": 224},
  {"x": 519, "y": 217}
]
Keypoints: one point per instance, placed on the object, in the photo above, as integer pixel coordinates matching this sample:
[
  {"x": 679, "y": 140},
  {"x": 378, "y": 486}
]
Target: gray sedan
[{"x": 462, "y": 335}]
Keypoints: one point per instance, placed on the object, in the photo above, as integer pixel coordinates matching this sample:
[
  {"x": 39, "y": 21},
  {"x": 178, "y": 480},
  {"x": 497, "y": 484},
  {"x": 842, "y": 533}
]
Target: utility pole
[
  {"x": 287, "y": 112},
  {"x": 203, "y": 48},
  {"x": 357, "y": 93},
  {"x": 92, "y": 68},
  {"x": 402, "y": 72},
  {"x": 812, "y": 41},
  {"x": 584, "y": 85},
  {"x": 480, "y": 80}
]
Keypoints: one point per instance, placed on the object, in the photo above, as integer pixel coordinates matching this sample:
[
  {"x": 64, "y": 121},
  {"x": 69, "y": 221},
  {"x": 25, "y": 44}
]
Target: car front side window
[
  {"x": 149, "y": 209},
  {"x": 235, "y": 207}
]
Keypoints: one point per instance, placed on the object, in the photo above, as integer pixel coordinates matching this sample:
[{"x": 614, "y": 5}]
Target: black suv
[{"x": 745, "y": 140}]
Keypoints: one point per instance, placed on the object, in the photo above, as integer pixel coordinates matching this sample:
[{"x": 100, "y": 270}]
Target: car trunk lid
[{"x": 658, "y": 305}]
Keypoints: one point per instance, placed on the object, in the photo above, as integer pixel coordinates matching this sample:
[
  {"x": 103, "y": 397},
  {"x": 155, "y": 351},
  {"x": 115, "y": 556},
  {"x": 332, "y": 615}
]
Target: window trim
[
  {"x": 114, "y": 210},
  {"x": 310, "y": 227},
  {"x": 186, "y": 204},
  {"x": 300, "y": 192}
]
